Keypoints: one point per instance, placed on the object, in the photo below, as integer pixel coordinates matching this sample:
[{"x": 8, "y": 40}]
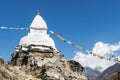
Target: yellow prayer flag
[{"x": 98, "y": 56}]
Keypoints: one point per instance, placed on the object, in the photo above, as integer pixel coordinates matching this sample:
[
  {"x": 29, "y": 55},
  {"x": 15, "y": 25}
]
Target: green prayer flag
[{"x": 94, "y": 54}]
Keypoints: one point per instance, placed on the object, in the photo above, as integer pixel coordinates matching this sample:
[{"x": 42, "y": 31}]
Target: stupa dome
[{"x": 37, "y": 34}]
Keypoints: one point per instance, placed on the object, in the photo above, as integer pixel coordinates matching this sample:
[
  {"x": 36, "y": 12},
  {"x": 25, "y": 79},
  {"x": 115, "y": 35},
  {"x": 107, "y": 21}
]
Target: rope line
[{"x": 68, "y": 42}]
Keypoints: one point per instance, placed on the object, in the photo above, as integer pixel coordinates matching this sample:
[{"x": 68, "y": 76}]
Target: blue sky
[{"x": 83, "y": 22}]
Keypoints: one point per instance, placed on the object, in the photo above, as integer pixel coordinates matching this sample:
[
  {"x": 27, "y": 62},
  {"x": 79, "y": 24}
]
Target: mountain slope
[
  {"x": 110, "y": 73},
  {"x": 93, "y": 65}
]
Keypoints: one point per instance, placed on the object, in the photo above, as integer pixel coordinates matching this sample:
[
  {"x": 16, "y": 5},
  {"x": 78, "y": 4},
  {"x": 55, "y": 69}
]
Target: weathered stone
[
  {"x": 38, "y": 65},
  {"x": 5, "y": 74},
  {"x": 75, "y": 66}
]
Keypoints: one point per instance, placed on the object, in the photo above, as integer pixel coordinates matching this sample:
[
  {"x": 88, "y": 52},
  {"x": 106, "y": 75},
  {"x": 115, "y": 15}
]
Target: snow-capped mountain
[
  {"x": 88, "y": 60},
  {"x": 93, "y": 66}
]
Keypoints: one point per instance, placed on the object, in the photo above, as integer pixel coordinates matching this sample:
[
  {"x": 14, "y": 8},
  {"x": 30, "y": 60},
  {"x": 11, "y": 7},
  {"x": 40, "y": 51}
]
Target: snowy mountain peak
[{"x": 92, "y": 62}]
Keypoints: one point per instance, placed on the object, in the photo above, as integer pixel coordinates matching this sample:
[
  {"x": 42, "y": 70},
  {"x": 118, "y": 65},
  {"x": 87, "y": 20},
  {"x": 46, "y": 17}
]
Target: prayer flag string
[
  {"x": 63, "y": 39},
  {"x": 12, "y": 28},
  {"x": 103, "y": 57},
  {"x": 80, "y": 48},
  {"x": 68, "y": 42}
]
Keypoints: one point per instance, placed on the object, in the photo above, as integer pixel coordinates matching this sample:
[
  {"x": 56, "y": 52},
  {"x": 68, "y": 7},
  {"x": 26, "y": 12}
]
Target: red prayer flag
[
  {"x": 72, "y": 44},
  {"x": 90, "y": 52},
  {"x": 54, "y": 34},
  {"x": 17, "y": 28}
]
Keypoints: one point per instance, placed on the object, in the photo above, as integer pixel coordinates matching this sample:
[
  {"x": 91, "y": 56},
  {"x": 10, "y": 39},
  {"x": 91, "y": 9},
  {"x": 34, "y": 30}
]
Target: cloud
[
  {"x": 92, "y": 62},
  {"x": 105, "y": 48},
  {"x": 88, "y": 60}
]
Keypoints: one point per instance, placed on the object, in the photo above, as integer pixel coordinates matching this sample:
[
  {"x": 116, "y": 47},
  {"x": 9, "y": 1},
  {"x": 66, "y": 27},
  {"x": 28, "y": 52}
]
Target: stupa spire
[
  {"x": 38, "y": 13},
  {"x": 38, "y": 23}
]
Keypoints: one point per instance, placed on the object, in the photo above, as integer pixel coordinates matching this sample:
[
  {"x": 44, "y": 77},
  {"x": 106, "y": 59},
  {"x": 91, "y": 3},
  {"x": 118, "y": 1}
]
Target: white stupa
[{"x": 37, "y": 34}]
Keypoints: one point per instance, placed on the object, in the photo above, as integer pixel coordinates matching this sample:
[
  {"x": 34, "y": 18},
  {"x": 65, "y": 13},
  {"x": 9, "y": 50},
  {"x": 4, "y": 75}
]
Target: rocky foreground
[{"x": 40, "y": 65}]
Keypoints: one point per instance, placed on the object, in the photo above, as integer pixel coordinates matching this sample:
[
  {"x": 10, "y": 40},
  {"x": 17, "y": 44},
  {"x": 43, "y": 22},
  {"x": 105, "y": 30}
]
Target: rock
[
  {"x": 75, "y": 66},
  {"x": 1, "y": 60},
  {"x": 5, "y": 74},
  {"x": 41, "y": 65},
  {"x": 49, "y": 73}
]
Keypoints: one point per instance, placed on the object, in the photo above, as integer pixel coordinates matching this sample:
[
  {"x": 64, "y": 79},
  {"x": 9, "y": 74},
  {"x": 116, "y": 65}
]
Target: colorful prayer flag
[
  {"x": 11, "y": 28},
  {"x": 94, "y": 54},
  {"x": 54, "y": 34},
  {"x": 79, "y": 48},
  {"x": 51, "y": 32},
  {"x": 72, "y": 44},
  {"x": 102, "y": 57},
  {"x": 90, "y": 53},
  {"x": 59, "y": 36},
  {"x": 62, "y": 39},
  {"x": 3, "y": 27},
  {"x": 68, "y": 42},
  {"x": 98, "y": 56}
]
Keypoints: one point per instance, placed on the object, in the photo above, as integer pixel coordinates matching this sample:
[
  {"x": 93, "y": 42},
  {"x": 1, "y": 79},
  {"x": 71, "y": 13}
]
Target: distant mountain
[
  {"x": 93, "y": 66},
  {"x": 91, "y": 74},
  {"x": 110, "y": 73}
]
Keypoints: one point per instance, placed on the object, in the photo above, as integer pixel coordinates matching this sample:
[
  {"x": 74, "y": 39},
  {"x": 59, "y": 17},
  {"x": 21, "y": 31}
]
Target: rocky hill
[
  {"x": 111, "y": 73},
  {"x": 5, "y": 73},
  {"x": 34, "y": 64}
]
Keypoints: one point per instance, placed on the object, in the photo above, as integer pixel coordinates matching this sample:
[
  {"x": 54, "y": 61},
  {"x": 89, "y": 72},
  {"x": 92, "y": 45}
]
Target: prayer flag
[
  {"x": 11, "y": 28},
  {"x": 59, "y": 36},
  {"x": 102, "y": 57},
  {"x": 3, "y": 27},
  {"x": 90, "y": 53},
  {"x": 51, "y": 32},
  {"x": 94, "y": 54},
  {"x": 76, "y": 46},
  {"x": 79, "y": 48},
  {"x": 68, "y": 42},
  {"x": 54, "y": 34},
  {"x": 62, "y": 39},
  {"x": 17, "y": 28},
  {"x": 72, "y": 44},
  {"x": 98, "y": 56}
]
